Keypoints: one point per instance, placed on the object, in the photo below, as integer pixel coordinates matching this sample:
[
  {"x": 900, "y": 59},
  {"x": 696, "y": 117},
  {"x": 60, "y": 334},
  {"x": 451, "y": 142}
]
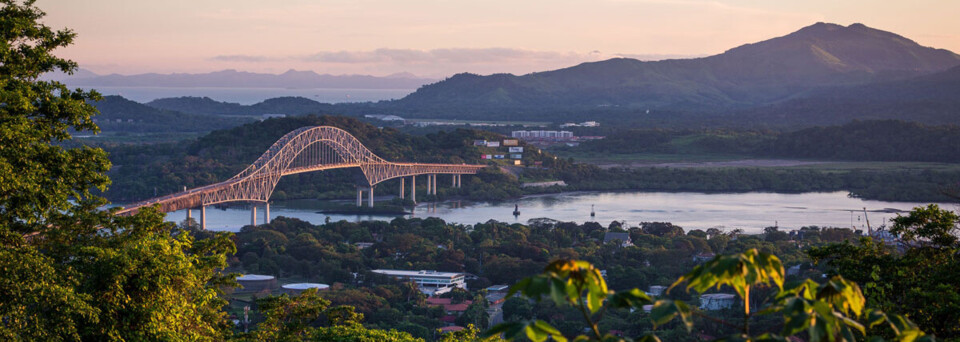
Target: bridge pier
[
  {"x": 403, "y": 180},
  {"x": 253, "y": 214},
  {"x": 413, "y": 189},
  {"x": 434, "y": 183},
  {"x": 266, "y": 213},
  {"x": 359, "y": 197},
  {"x": 370, "y": 200},
  {"x": 189, "y": 214},
  {"x": 459, "y": 176},
  {"x": 203, "y": 217},
  {"x": 453, "y": 181}
]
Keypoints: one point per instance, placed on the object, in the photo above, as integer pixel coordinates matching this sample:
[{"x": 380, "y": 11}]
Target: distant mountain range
[
  {"x": 817, "y": 56},
  {"x": 242, "y": 79},
  {"x": 823, "y": 74}
]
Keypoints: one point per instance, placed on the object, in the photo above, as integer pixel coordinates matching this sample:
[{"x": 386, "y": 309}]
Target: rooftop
[
  {"x": 304, "y": 286},
  {"x": 424, "y": 273},
  {"x": 254, "y": 277}
]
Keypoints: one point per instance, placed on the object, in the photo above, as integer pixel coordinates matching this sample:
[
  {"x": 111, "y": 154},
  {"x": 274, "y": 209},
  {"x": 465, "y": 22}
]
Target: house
[
  {"x": 448, "y": 306},
  {"x": 717, "y": 301},
  {"x": 429, "y": 282},
  {"x": 656, "y": 290},
  {"x": 621, "y": 238},
  {"x": 701, "y": 257}
]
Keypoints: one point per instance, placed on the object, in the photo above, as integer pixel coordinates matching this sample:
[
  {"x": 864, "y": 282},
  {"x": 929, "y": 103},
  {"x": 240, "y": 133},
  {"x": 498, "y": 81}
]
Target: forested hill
[
  {"x": 932, "y": 99},
  {"x": 815, "y": 56},
  {"x": 878, "y": 140},
  {"x": 289, "y": 105},
  {"x": 221, "y": 154},
  {"x": 118, "y": 114}
]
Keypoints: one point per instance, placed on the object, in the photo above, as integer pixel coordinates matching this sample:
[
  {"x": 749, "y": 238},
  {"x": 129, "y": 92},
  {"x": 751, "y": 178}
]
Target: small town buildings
[
  {"x": 297, "y": 288},
  {"x": 622, "y": 238},
  {"x": 256, "y": 283},
  {"x": 717, "y": 301},
  {"x": 429, "y": 282}
]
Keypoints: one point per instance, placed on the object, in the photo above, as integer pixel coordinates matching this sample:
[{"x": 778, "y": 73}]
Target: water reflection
[{"x": 749, "y": 211}]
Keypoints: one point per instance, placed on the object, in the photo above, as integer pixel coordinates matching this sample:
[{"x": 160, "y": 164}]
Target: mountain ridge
[
  {"x": 777, "y": 69},
  {"x": 231, "y": 78}
]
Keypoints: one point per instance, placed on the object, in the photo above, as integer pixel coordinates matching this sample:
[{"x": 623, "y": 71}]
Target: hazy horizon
[{"x": 436, "y": 38}]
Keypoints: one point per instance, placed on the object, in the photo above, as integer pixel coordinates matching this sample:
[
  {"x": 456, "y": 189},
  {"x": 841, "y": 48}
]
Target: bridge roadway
[{"x": 306, "y": 149}]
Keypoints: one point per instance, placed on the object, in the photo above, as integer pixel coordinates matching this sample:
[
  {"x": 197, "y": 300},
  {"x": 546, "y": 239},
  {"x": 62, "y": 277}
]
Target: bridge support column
[
  {"x": 253, "y": 214},
  {"x": 370, "y": 200},
  {"x": 434, "y": 183},
  {"x": 453, "y": 181},
  {"x": 428, "y": 183},
  {"x": 359, "y": 197},
  {"x": 458, "y": 180},
  {"x": 189, "y": 214},
  {"x": 203, "y": 217},
  {"x": 413, "y": 188},
  {"x": 266, "y": 213},
  {"x": 403, "y": 182}
]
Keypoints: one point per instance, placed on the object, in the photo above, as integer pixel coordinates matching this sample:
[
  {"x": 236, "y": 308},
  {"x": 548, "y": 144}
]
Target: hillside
[
  {"x": 929, "y": 99},
  {"x": 205, "y": 105},
  {"x": 118, "y": 114},
  {"x": 140, "y": 169},
  {"x": 242, "y": 79},
  {"x": 816, "y": 56}
]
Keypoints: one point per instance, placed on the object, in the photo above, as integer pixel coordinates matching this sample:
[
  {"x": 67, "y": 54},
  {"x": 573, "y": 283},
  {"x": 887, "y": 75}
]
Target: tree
[
  {"x": 41, "y": 181},
  {"x": 922, "y": 280},
  {"x": 833, "y": 311},
  {"x": 928, "y": 226},
  {"x": 69, "y": 271}
]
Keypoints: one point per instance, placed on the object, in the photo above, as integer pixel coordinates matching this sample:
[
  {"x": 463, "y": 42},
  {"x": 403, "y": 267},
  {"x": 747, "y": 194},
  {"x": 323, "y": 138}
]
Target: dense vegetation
[
  {"x": 498, "y": 253},
  {"x": 884, "y": 140},
  {"x": 218, "y": 156},
  {"x": 121, "y": 116}
]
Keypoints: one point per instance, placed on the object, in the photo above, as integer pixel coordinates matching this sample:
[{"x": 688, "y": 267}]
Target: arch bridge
[{"x": 306, "y": 149}]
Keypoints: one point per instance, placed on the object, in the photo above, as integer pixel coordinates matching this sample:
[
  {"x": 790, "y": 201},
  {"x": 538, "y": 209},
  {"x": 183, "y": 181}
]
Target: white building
[
  {"x": 429, "y": 282},
  {"x": 717, "y": 301},
  {"x": 542, "y": 134}
]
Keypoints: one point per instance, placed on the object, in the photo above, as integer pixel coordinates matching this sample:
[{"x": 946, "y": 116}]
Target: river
[{"x": 749, "y": 211}]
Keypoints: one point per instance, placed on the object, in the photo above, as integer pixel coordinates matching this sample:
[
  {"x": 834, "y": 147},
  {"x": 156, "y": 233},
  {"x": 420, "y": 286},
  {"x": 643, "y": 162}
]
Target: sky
[{"x": 438, "y": 38}]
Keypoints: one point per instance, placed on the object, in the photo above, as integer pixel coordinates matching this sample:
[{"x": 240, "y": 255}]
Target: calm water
[
  {"x": 248, "y": 96},
  {"x": 749, "y": 211}
]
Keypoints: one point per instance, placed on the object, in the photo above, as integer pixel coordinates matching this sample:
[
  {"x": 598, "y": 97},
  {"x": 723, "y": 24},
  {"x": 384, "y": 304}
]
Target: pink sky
[{"x": 436, "y": 38}]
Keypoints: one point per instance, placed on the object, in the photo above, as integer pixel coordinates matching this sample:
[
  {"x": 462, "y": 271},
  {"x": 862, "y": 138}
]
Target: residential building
[
  {"x": 430, "y": 282},
  {"x": 622, "y": 238},
  {"x": 717, "y": 301}
]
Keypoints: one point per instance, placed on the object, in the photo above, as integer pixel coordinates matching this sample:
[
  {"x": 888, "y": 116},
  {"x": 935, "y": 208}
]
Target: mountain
[
  {"x": 241, "y": 79},
  {"x": 118, "y": 114},
  {"x": 61, "y": 76},
  {"x": 931, "y": 99},
  {"x": 205, "y": 105},
  {"x": 820, "y": 55}
]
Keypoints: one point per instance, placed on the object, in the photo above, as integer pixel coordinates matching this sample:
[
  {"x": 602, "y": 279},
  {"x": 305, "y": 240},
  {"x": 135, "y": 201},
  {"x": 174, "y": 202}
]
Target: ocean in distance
[{"x": 249, "y": 96}]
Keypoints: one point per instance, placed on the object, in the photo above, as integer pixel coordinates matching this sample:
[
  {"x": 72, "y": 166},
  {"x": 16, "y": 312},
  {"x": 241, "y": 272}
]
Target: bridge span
[{"x": 306, "y": 149}]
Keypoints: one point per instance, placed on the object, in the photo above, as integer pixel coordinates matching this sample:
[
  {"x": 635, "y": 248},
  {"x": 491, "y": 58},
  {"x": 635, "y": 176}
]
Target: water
[
  {"x": 748, "y": 211},
  {"x": 248, "y": 96}
]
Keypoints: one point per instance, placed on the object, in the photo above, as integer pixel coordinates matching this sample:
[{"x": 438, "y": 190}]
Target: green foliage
[
  {"x": 921, "y": 280},
  {"x": 833, "y": 311},
  {"x": 39, "y": 179},
  {"x": 69, "y": 270},
  {"x": 928, "y": 225}
]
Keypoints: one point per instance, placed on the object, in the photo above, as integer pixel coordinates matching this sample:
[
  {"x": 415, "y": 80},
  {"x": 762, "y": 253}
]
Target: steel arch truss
[{"x": 306, "y": 149}]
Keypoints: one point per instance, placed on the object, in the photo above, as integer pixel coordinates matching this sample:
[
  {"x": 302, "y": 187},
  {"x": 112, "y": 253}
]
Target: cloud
[
  {"x": 243, "y": 58},
  {"x": 447, "y": 56},
  {"x": 430, "y": 63}
]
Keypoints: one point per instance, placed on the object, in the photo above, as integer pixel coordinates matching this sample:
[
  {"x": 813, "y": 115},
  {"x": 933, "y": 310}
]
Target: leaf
[
  {"x": 633, "y": 298},
  {"x": 665, "y": 310}
]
